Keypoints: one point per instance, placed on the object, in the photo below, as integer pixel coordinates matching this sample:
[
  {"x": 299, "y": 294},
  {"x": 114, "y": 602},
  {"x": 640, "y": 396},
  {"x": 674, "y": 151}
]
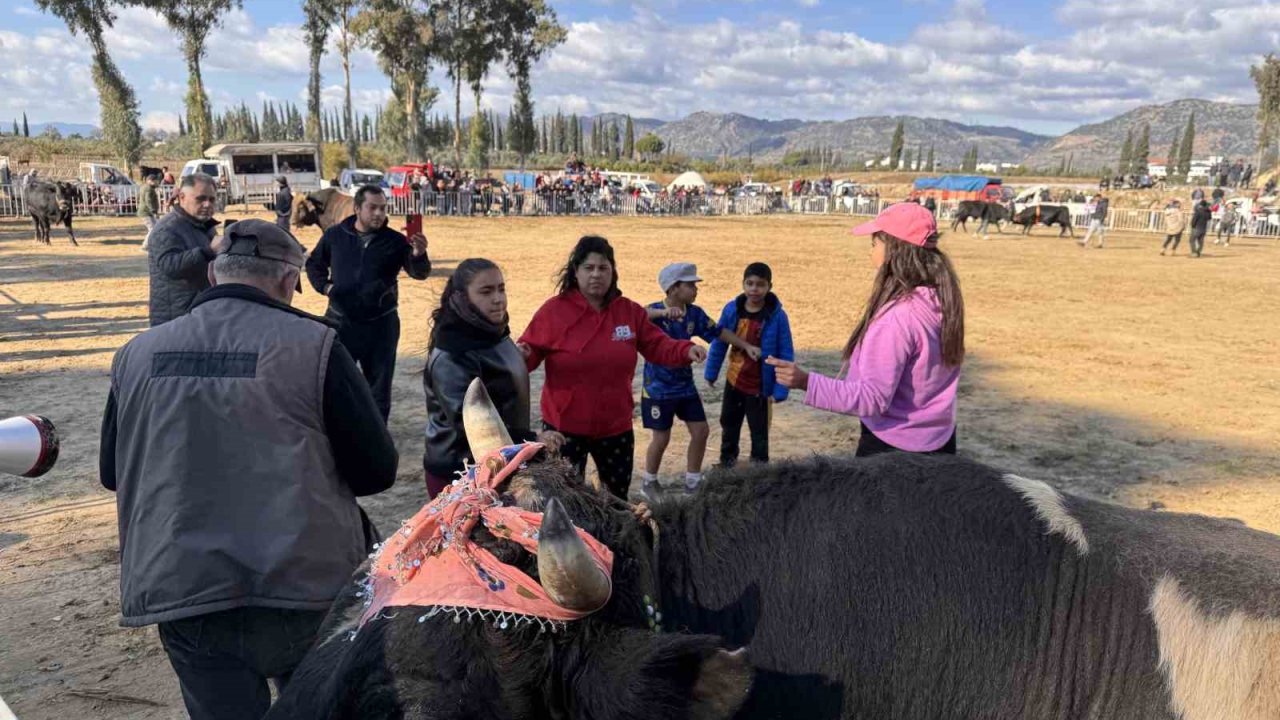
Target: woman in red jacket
[{"x": 590, "y": 336}]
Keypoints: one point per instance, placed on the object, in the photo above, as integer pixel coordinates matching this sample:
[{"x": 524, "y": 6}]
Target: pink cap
[{"x": 905, "y": 221}]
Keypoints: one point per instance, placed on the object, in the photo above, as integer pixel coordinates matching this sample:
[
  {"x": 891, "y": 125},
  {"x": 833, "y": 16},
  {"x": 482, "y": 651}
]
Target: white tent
[{"x": 690, "y": 179}]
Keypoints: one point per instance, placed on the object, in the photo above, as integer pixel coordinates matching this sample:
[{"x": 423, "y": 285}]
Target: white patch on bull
[
  {"x": 1215, "y": 668},
  {"x": 1048, "y": 506}
]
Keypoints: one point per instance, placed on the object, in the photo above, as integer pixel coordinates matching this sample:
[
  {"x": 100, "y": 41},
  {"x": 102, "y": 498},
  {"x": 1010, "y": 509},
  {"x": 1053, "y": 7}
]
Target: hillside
[
  {"x": 710, "y": 135},
  {"x": 1221, "y": 129}
]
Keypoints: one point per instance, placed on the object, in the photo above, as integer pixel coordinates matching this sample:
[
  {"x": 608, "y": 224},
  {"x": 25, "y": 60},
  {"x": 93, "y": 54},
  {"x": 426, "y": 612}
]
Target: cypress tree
[
  {"x": 629, "y": 140},
  {"x": 1126, "y": 154},
  {"x": 895, "y": 145},
  {"x": 1188, "y": 147},
  {"x": 26, "y": 130},
  {"x": 1141, "y": 161}
]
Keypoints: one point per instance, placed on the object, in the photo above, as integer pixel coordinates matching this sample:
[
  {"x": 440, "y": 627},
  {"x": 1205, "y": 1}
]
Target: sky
[{"x": 1041, "y": 65}]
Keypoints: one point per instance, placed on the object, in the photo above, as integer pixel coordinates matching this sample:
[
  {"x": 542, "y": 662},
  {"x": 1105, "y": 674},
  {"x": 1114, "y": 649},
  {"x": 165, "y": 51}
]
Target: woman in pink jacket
[{"x": 903, "y": 359}]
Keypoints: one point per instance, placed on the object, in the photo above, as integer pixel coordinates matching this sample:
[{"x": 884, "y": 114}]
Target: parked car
[{"x": 351, "y": 179}]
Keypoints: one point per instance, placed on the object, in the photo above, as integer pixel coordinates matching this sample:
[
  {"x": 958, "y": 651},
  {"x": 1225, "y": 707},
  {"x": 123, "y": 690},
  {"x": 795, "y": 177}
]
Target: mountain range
[
  {"x": 1221, "y": 129},
  {"x": 1226, "y": 129}
]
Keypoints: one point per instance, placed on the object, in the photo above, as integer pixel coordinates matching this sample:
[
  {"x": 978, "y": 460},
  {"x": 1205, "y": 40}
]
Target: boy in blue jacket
[{"x": 756, "y": 316}]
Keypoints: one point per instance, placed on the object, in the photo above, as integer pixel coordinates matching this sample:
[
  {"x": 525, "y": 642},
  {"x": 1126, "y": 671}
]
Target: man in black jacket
[
  {"x": 236, "y": 438},
  {"x": 283, "y": 204},
  {"x": 180, "y": 248},
  {"x": 356, "y": 264},
  {"x": 1200, "y": 218}
]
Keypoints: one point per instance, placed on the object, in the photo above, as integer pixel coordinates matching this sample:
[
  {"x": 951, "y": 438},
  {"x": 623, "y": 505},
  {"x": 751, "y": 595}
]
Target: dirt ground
[{"x": 1148, "y": 380}]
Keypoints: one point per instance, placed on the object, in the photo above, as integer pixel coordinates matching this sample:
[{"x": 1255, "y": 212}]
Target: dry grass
[{"x": 1117, "y": 373}]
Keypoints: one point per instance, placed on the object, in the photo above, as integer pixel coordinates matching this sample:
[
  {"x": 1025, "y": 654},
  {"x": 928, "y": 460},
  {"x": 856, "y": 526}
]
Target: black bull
[
  {"x": 1046, "y": 215},
  {"x": 984, "y": 212},
  {"x": 891, "y": 587},
  {"x": 52, "y": 203}
]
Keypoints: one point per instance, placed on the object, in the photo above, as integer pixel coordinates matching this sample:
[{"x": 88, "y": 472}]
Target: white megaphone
[{"x": 28, "y": 445}]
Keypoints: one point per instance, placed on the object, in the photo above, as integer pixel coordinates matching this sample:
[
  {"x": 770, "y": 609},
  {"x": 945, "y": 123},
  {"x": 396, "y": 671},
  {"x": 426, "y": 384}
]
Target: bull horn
[
  {"x": 568, "y": 573},
  {"x": 485, "y": 429}
]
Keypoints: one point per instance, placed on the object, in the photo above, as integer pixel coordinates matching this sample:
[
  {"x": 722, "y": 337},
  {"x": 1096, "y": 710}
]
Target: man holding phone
[{"x": 356, "y": 264}]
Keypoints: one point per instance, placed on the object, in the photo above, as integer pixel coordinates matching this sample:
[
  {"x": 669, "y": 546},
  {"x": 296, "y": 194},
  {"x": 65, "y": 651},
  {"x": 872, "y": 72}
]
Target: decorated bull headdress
[{"x": 433, "y": 562}]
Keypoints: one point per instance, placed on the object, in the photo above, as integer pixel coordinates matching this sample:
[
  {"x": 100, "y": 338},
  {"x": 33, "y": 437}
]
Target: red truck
[
  {"x": 400, "y": 178},
  {"x": 961, "y": 187}
]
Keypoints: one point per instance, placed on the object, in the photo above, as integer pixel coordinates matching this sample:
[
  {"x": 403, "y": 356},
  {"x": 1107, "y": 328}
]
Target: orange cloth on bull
[{"x": 432, "y": 560}]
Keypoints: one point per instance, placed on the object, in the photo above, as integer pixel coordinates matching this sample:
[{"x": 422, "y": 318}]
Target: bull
[
  {"x": 322, "y": 208},
  {"x": 52, "y": 203},
  {"x": 892, "y": 587},
  {"x": 1045, "y": 215},
  {"x": 984, "y": 212}
]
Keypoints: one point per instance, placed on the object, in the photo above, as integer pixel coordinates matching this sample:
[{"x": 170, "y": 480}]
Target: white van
[{"x": 248, "y": 171}]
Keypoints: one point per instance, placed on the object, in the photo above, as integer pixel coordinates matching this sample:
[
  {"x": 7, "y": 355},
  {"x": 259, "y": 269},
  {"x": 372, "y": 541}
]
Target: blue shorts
[{"x": 660, "y": 414}]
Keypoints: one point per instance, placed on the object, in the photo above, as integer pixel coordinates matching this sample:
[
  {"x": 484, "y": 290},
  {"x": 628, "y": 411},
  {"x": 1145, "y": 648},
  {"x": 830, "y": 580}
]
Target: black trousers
[
  {"x": 373, "y": 346},
  {"x": 614, "y": 456},
  {"x": 1175, "y": 238},
  {"x": 755, "y": 409},
  {"x": 1197, "y": 241},
  {"x": 869, "y": 444},
  {"x": 223, "y": 660}
]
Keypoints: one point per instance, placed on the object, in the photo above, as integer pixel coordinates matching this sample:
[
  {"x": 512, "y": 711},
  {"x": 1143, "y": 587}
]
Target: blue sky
[{"x": 1042, "y": 65}]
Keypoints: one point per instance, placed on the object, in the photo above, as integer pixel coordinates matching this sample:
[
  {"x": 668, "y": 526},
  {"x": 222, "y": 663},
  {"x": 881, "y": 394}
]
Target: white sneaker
[
  {"x": 692, "y": 482},
  {"x": 651, "y": 490}
]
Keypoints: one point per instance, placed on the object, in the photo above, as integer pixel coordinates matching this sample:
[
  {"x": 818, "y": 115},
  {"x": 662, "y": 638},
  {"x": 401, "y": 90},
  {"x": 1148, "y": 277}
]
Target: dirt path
[{"x": 1116, "y": 373}]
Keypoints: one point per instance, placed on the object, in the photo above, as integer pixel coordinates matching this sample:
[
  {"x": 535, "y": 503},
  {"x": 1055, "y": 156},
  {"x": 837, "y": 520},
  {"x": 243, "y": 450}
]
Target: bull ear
[{"x": 671, "y": 675}]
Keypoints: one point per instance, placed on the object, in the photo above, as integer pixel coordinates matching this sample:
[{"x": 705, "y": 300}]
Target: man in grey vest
[
  {"x": 180, "y": 247},
  {"x": 237, "y": 438}
]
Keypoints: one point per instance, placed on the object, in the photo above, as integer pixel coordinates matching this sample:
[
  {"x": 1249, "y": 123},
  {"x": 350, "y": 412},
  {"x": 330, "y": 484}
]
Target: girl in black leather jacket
[{"x": 470, "y": 338}]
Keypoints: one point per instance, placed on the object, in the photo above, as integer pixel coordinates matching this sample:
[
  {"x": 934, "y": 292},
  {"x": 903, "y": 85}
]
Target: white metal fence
[{"x": 104, "y": 200}]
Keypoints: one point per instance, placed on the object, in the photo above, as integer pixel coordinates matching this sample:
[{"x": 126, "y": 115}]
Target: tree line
[{"x": 466, "y": 38}]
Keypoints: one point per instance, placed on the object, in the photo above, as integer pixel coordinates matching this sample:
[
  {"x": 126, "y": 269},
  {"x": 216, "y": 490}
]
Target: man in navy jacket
[{"x": 356, "y": 265}]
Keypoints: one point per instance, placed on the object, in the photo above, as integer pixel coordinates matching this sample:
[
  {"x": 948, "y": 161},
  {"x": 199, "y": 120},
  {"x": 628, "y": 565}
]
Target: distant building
[{"x": 997, "y": 167}]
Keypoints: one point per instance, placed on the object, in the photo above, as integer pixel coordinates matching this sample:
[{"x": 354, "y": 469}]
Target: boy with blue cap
[{"x": 669, "y": 392}]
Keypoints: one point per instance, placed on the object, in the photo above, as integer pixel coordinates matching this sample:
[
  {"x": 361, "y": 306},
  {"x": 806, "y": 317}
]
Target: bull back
[
  {"x": 323, "y": 208},
  {"x": 936, "y": 587}
]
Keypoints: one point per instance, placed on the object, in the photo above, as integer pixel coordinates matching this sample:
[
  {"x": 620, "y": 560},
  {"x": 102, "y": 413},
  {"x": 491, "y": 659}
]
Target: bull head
[
  {"x": 565, "y": 567},
  {"x": 304, "y": 212}
]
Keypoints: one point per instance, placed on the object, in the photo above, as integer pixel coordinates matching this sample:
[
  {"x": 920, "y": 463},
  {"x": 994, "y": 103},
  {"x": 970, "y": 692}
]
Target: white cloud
[
  {"x": 47, "y": 76},
  {"x": 159, "y": 120},
  {"x": 965, "y": 64},
  {"x": 169, "y": 89},
  {"x": 364, "y": 101},
  {"x": 962, "y": 64},
  {"x": 140, "y": 34},
  {"x": 26, "y": 11}
]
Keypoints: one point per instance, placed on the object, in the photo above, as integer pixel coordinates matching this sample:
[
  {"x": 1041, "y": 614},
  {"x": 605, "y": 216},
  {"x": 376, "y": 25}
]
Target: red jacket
[{"x": 591, "y": 360}]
